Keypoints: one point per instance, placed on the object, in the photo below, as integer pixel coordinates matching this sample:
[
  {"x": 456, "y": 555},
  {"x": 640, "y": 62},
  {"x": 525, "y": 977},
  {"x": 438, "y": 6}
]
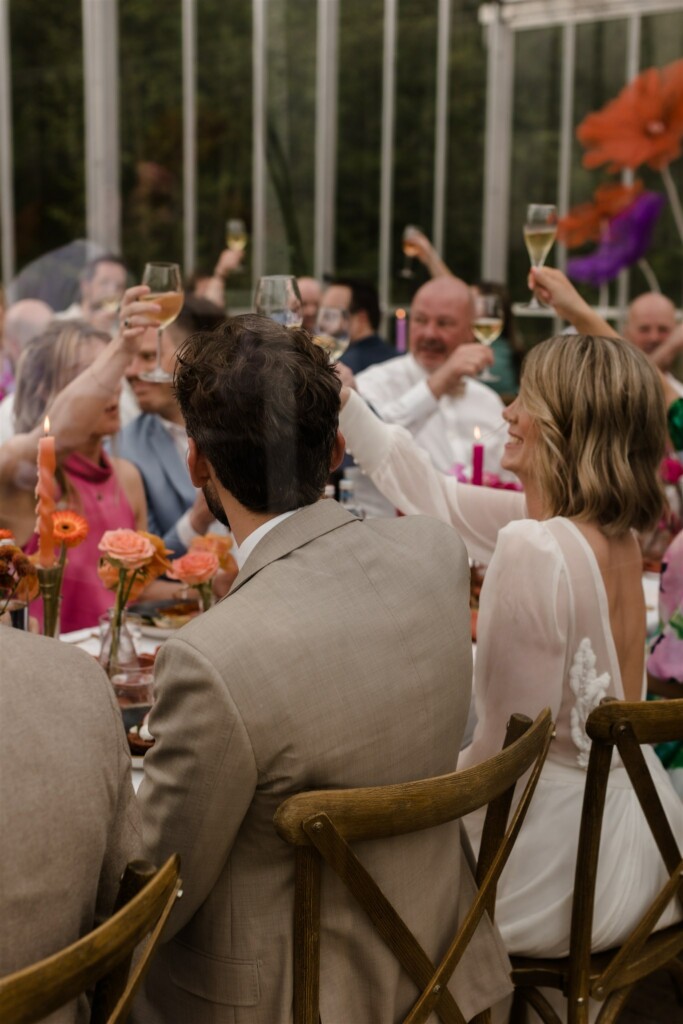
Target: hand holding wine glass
[
  {"x": 236, "y": 238},
  {"x": 410, "y": 250},
  {"x": 166, "y": 290},
  {"x": 277, "y": 297},
  {"x": 487, "y": 324},
  {"x": 540, "y": 230}
]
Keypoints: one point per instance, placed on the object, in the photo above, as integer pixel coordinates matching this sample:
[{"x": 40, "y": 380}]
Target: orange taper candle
[{"x": 46, "y": 490}]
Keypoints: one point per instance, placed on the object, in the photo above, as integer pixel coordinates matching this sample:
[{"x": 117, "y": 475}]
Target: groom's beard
[{"x": 214, "y": 503}]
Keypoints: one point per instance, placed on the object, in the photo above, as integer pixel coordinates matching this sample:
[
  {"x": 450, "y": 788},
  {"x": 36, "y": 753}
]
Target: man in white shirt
[
  {"x": 432, "y": 391},
  {"x": 651, "y": 327}
]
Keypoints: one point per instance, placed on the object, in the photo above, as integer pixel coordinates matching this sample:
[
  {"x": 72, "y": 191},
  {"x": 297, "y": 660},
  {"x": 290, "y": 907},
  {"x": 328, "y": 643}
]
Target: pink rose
[
  {"x": 194, "y": 568},
  {"x": 126, "y": 549}
]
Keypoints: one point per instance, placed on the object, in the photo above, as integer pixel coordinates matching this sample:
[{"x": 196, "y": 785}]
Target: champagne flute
[
  {"x": 277, "y": 297},
  {"x": 236, "y": 238},
  {"x": 165, "y": 282},
  {"x": 410, "y": 250},
  {"x": 487, "y": 325},
  {"x": 540, "y": 230},
  {"x": 332, "y": 332}
]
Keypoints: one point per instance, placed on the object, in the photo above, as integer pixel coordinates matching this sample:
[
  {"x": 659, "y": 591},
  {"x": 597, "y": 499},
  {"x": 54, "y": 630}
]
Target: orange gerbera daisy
[
  {"x": 643, "y": 125},
  {"x": 584, "y": 223},
  {"x": 69, "y": 528},
  {"x": 6, "y": 535}
]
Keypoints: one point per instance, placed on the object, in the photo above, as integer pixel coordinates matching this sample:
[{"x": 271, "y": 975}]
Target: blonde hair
[
  {"x": 601, "y": 423},
  {"x": 48, "y": 363}
]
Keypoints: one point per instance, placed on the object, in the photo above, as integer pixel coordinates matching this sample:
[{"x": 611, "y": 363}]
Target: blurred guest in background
[
  {"x": 311, "y": 294},
  {"x": 651, "y": 327},
  {"x": 23, "y": 320},
  {"x": 212, "y": 286},
  {"x": 359, "y": 303},
  {"x": 102, "y": 284},
  {"x": 507, "y": 349}
]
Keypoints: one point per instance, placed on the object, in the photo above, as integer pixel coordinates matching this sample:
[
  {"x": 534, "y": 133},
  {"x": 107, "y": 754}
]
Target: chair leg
[
  {"x": 537, "y": 1001},
  {"x": 613, "y": 1005},
  {"x": 675, "y": 970}
]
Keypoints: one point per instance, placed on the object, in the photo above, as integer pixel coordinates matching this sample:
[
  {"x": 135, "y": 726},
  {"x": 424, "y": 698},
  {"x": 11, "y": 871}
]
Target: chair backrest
[
  {"x": 322, "y": 824},
  {"x": 101, "y": 959},
  {"x": 624, "y": 725}
]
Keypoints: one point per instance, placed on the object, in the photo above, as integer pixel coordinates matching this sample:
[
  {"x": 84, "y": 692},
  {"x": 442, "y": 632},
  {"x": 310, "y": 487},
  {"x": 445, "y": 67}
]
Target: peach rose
[
  {"x": 194, "y": 568},
  {"x": 126, "y": 549},
  {"x": 218, "y": 543}
]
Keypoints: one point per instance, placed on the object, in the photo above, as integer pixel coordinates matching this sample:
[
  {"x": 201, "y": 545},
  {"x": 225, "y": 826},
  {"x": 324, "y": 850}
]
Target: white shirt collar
[{"x": 250, "y": 542}]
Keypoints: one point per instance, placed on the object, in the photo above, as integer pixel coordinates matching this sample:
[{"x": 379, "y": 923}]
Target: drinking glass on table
[
  {"x": 487, "y": 324},
  {"x": 165, "y": 282},
  {"x": 236, "y": 237},
  {"x": 278, "y": 298},
  {"x": 410, "y": 250},
  {"x": 332, "y": 332},
  {"x": 540, "y": 229}
]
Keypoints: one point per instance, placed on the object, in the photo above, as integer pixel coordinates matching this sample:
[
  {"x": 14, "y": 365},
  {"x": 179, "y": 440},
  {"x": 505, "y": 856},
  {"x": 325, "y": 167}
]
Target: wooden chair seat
[
  {"x": 609, "y": 976},
  {"x": 101, "y": 959},
  {"x": 322, "y": 824}
]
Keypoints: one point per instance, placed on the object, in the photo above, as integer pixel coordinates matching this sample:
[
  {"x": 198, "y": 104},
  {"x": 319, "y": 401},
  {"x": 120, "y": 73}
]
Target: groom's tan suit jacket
[{"x": 341, "y": 657}]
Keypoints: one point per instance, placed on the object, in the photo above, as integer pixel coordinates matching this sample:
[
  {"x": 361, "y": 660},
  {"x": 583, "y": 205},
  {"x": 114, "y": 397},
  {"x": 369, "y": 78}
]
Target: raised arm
[
  {"x": 556, "y": 290},
  {"x": 427, "y": 254}
]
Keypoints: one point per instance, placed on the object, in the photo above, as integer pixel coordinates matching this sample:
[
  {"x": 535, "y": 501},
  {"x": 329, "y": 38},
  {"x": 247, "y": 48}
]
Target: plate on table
[{"x": 161, "y": 619}]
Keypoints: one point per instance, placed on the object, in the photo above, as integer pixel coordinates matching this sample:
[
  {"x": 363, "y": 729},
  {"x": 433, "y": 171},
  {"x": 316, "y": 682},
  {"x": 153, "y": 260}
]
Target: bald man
[
  {"x": 651, "y": 327},
  {"x": 433, "y": 391}
]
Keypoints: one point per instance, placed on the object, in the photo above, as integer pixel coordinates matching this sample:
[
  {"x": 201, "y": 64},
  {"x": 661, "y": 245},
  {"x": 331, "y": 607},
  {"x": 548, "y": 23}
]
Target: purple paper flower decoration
[{"x": 627, "y": 240}]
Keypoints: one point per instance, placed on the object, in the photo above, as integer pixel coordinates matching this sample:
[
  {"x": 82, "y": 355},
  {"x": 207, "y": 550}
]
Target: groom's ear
[{"x": 197, "y": 464}]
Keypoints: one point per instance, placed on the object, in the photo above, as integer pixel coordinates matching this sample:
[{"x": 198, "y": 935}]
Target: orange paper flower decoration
[
  {"x": 584, "y": 223},
  {"x": 69, "y": 528},
  {"x": 643, "y": 125}
]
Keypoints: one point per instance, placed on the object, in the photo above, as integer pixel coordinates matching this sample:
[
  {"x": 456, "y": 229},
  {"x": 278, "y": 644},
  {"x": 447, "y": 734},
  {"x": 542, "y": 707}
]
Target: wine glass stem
[{"x": 159, "y": 330}]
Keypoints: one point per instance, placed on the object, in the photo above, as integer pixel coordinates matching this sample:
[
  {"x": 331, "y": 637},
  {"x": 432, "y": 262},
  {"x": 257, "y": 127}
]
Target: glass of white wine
[
  {"x": 277, "y": 297},
  {"x": 487, "y": 324},
  {"x": 540, "y": 230},
  {"x": 166, "y": 284},
  {"x": 236, "y": 237},
  {"x": 410, "y": 250},
  {"x": 332, "y": 332}
]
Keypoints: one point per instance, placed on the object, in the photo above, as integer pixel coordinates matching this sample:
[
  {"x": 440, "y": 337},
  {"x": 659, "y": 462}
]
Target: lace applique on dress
[{"x": 589, "y": 689}]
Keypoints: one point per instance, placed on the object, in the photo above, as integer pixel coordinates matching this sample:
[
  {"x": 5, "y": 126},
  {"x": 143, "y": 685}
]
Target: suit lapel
[
  {"x": 169, "y": 462},
  {"x": 296, "y": 531}
]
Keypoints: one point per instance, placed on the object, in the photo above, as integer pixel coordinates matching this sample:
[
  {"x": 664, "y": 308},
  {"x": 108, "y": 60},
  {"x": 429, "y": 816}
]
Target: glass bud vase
[{"x": 117, "y": 649}]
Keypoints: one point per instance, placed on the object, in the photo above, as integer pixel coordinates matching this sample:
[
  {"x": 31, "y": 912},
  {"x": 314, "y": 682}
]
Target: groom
[{"x": 341, "y": 657}]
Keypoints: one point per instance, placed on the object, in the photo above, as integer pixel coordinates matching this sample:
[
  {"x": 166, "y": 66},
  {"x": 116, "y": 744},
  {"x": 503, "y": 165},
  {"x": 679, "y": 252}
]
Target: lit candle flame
[
  {"x": 477, "y": 434},
  {"x": 46, "y": 425},
  {"x": 400, "y": 314}
]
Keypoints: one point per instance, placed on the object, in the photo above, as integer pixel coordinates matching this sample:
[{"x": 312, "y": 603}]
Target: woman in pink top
[{"x": 74, "y": 373}]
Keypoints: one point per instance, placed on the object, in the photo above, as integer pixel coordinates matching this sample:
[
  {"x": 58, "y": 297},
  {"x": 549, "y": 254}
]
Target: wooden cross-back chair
[
  {"x": 101, "y": 959},
  {"x": 322, "y": 824},
  {"x": 609, "y": 976}
]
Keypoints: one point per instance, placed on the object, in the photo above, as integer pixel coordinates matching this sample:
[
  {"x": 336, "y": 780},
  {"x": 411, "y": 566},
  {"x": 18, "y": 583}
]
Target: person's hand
[
  {"x": 136, "y": 315},
  {"x": 666, "y": 354},
  {"x": 201, "y": 518},
  {"x": 466, "y": 360},
  {"x": 555, "y": 289},
  {"x": 228, "y": 262}
]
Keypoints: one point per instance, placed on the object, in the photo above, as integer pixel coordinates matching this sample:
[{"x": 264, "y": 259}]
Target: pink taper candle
[
  {"x": 477, "y": 459},
  {"x": 46, "y": 491},
  {"x": 401, "y": 331}
]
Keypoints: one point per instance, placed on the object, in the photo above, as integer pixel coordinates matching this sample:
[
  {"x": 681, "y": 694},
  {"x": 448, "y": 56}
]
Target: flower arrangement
[
  {"x": 197, "y": 569},
  {"x": 643, "y": 125},
  {"x": 130, "y": 560},
  {"x": 69, "y": 529},
  {"x": 18, "y": 576}
]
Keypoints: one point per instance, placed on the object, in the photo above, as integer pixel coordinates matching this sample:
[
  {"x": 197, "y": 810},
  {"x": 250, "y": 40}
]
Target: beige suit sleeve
[{"x": 200, "y": 776}]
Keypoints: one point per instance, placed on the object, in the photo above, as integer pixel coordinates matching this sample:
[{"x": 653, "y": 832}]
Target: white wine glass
[
  {"x": 332, "y": 332},
  {"x": 236, "y": 238},
  {"x": 410, "y": 250},
  {"x": 540, "y": 229},
  {"x": 277, "y": 297},
  {"x": 166, "y": 289},
  {"x": 487, "y": 324}
]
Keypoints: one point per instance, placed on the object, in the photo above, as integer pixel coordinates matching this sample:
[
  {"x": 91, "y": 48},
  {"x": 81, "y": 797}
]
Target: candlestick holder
[{"x": 50, "y": 580}]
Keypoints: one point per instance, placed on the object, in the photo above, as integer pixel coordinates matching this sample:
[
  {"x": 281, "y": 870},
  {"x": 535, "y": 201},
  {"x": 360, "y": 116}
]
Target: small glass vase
[
  {"x": 117, "y": 648},
  {"x": 50, "y": 580}
]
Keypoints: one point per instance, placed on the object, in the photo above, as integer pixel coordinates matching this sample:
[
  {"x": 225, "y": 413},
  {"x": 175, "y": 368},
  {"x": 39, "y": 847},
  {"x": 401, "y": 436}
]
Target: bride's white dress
[{"x": 543, "y": 639}]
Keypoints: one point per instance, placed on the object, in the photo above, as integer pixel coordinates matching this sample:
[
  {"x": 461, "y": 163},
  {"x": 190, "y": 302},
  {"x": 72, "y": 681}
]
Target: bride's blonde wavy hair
[{"x": 601, "y": 421}]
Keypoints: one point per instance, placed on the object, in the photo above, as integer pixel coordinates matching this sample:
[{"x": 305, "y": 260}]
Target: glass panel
[
  {"x": 224, "y": 134},
  {"x": 359, "y": 137},
  {"x": 151, "y": 118},
  {"x": 48, "y": 128},
  {"x": 290, "y": 134},
  {"x": 535, "y": 148},
  {"x": 466, "y": 133},
  {"x": 414, "y": 134}
]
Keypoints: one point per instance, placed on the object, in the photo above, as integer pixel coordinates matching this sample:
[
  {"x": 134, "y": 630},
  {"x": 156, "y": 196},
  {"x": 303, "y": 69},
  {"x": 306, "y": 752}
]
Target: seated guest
[
  {"x": 651, "y": 327},
  {"x": 23, "y": 320},
  {"x": 101, "y": 284},
  {"x": 358, "y": 304},
  {"x": 311, "y": 294},
  {"x": 73, "y": 373},
  {"x": 561, "y": 612},
  {"x": 70, "y": 823},
  {"x": 313, "y": 673},
  {"x": 156, "y": 441}
]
